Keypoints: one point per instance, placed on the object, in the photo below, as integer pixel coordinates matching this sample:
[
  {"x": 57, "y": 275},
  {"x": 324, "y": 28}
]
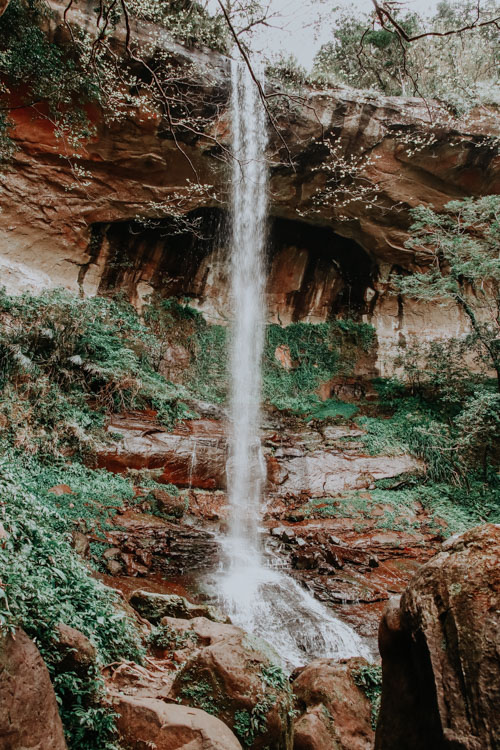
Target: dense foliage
[
  {"x": 66, "y": 361},
  {"x": 462, "y": 69},
  {"x": 460, "y": 251},
  {"x": 44, "y": 583},
  {"x": 315, "y": 354}
]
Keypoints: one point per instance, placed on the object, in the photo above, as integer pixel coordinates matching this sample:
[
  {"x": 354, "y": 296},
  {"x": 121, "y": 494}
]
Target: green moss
[
  {"x": 317, "y": 353},
  {"x": 369, "y": 679},
  {"x": 199, "y": 694},
  {"x": 332, "y": 408}
]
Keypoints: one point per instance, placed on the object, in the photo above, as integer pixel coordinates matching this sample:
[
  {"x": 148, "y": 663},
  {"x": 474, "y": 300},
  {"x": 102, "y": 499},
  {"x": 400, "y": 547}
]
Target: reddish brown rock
[
  {"x": 146, "y": 543},
  {"x": 80, "y": 543},
  {"x": 148, "y": 722},
  {"x": 29, "y": 716},
  {"x": 334, "y": 713},
  {"x": 349, "y": 562},
  {"x": 193, "y": 455},
  {"x": 167, "y": 504},
  {"x": 208, "y": 505},
  {"x": 60, "y": 489},
  {"x": 283, "y": 356},
  {"x": 175, "y": 361},
  {"x": 77, "y": 653},
  {"x": 439, "y": 647},
  {"x": 232, "y": 666},
  {"x": 410, "y": 152}
]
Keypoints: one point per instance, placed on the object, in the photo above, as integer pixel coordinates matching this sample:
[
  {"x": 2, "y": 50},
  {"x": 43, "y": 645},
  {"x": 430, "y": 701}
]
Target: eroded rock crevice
[{"x": 314, "y": 274}]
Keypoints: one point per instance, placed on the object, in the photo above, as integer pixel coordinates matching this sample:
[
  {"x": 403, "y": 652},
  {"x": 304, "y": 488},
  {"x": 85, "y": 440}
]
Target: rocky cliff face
[{"x": 327, "y": 255}]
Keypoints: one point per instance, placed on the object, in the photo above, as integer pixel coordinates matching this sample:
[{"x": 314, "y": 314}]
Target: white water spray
[{"x": 259, "y": 597}]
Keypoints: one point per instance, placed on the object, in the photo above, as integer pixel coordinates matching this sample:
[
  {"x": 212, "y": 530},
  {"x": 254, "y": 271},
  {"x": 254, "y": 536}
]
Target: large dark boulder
[{"x": 440, "y": 651}]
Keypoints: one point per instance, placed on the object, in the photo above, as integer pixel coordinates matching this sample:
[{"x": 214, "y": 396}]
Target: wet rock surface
[
  {"x": 143, "y": 544},
  {"x": 29, "y": 716},
  {"x": 193, "y": 455},
  {"x": 439, "y": 648},
  {"x": 352, "y": 572},
  {"x": 154, "y": 607},
  {"x": 333, "y": 712},
  {"x": 351, "y": 551}
]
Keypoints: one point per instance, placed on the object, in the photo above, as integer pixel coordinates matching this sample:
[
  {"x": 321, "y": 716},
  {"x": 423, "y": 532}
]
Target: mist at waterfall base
[{"x": 257, "y": 595}]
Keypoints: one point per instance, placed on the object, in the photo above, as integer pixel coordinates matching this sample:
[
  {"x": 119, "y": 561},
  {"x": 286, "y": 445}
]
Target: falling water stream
[{"x": 258, "y": 596}]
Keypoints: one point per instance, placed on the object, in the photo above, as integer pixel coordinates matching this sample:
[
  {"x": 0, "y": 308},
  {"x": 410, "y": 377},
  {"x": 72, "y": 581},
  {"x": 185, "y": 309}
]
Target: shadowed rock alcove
[{"x": 313, "y": 273}]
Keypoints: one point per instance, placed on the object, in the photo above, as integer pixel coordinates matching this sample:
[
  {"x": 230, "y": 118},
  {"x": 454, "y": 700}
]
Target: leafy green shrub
[
  {"x": 64, "y": 361},
  {"x": 44, "y": 583},
  {"x": 43, "y": 70},
  {"x": 164, "y": 636},
  {"x": 173, "y": 322},
  {"x": 286, "y": 71},
  {"x": 332, "y": 408},
  {"x": 461, "y": 245},
  {"x": 248, "y": 725},
  {"x": 274, "y": 677},
  {"x": 199, "y": 694},
  {"x": 317, "y": 353},
  {"x": 369, "y": 679}
]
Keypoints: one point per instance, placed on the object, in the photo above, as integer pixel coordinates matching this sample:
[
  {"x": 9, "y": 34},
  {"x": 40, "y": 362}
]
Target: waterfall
[
  {"x": 248, "y": 221},
  {"x": 257, "y": 595}
]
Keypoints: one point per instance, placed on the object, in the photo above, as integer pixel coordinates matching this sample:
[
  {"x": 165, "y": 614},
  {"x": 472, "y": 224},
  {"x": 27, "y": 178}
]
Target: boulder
[
  {"x": 148, "y": 722},
  {"x": 168, "y": 504},
  {"x": 80, "y": 544},
  {"x": 29, "y": 717},
  {"x": 323, "y": 472},
  {"x": 77, "y": 653},
  {"x": 333, "y": 712},
  {"x": 154, "y": 607},
  {"x": 232, "y": 676},
  {"x": 60, "y": 489},
  {"x": 439, "y": 647}
]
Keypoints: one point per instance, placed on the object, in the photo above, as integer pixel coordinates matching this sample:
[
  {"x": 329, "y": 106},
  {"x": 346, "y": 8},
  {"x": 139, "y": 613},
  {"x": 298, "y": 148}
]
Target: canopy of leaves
[{"x": 461, "y": 69}]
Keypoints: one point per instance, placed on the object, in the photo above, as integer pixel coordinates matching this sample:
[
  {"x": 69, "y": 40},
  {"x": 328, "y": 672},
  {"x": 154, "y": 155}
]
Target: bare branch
[
  {"x": 261, "y": 91},
  {"x": 384, "y": 14}
]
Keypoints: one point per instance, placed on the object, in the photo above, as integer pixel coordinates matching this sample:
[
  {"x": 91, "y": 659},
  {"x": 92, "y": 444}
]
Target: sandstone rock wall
[{"x": 327, "y": 260}]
